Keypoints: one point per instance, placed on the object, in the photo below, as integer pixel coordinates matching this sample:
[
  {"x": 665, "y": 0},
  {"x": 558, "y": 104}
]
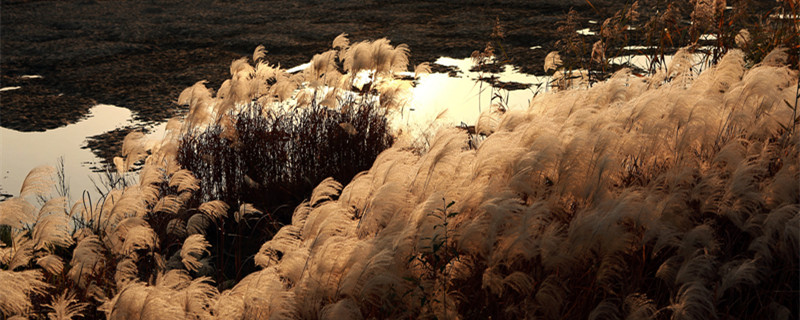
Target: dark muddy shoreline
[{"x": 141, "y": 54}]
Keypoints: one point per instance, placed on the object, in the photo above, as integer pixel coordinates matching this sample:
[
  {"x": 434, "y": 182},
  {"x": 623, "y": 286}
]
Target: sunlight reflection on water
[
  {"x": 23, "y": 151},
  {"x": 462, "y": 98}
]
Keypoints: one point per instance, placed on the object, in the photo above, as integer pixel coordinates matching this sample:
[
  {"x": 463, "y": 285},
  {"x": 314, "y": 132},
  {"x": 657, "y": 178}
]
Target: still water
[{"x": 22, "y": 151}]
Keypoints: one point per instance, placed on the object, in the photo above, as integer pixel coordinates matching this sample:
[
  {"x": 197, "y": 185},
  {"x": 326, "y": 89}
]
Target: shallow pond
[{"x": 23, "y": 151}]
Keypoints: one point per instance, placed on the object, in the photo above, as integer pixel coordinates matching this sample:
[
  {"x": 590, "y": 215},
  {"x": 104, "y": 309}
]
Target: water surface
[{"x": 22, "y": 151}]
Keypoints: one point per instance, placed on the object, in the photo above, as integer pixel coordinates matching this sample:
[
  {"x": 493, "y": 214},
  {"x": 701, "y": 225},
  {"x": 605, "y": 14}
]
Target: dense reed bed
[
  {"x": 672, "y": 195},
  {"x": 636, "y": 198}
]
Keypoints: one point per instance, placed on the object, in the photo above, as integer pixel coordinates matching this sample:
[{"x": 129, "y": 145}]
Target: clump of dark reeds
[
  {"x": 277, "y": 156},
  {"x": 273, "y": 161}
]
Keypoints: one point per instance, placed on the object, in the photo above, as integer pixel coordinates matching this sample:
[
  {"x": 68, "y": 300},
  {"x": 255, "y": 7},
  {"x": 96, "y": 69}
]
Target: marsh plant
[{"x": 657, "y": 29}]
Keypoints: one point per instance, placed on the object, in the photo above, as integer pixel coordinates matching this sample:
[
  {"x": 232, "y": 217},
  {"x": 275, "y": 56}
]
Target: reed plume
[
  {"x": 193, "y": 247},
  {"x": 19, "y": 286},
  {"x": 65, "y": 306},
  {"x": 39, "y": 182}
]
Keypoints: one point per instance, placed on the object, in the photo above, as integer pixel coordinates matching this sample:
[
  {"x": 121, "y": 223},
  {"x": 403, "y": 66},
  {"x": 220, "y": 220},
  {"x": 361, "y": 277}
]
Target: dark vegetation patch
[
  {"x": 36, "y": 106},
  {"x": 278, "y": 158},
  {"x": 273, "y": 159}
]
